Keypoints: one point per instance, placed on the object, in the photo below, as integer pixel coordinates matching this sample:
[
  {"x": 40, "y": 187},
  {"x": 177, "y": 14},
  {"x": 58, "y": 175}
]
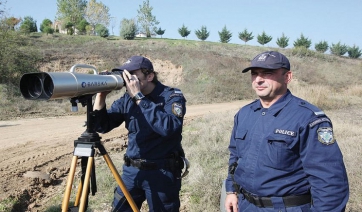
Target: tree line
[{"x": 93, "y": 18}]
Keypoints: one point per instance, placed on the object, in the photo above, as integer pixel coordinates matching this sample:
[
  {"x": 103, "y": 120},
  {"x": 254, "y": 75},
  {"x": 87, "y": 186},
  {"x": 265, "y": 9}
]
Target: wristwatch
[
  {"x": 231, "y": 192},
  {"x": 137, "y": 97}
]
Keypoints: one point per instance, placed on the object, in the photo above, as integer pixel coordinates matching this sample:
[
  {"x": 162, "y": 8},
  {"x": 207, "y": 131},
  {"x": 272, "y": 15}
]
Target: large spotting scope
[{"x": 58, "y": 85}]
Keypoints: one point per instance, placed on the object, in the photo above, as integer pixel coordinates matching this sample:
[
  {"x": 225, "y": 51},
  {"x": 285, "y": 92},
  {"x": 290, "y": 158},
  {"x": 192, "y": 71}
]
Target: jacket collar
[
  {"x": 277, "y": 106},
  {"x": 156, "y": 91}
]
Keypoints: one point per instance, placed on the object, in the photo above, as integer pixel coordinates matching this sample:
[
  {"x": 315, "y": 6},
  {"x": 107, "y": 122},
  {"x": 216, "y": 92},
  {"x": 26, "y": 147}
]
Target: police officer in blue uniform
[
  {"x": 283, "y": 153},
  {"x": 153, "y": 114}
]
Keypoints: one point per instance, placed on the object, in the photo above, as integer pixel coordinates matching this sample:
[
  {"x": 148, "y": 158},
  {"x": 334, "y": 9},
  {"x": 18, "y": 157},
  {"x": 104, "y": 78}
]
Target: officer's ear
[
  {"x": 150, "y": 76},
  {"x": 288, "y": 76}
]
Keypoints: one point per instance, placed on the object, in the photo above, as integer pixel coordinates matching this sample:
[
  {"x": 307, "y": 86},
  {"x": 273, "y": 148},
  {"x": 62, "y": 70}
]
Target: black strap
[
  {"x": 266, "y": 202},
  {"x": 149, "y": 164}
]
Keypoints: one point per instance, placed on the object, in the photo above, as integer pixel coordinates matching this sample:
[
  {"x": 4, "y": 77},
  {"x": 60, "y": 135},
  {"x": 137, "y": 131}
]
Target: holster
[{"x": 232, "y": 169}]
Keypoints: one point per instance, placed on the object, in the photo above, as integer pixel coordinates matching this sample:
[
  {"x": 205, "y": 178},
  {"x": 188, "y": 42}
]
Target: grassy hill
[{"x": 210, "y": 73}]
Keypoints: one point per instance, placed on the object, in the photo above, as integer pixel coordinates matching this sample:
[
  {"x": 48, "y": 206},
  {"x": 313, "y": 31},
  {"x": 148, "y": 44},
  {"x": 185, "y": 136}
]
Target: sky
[{"x": 332, "y": 21}]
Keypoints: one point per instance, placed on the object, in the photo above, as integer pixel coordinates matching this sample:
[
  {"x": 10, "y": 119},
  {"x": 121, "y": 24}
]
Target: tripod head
[
  {"x": 90, "y": 135},
  {"x": 85, "y": 147}
]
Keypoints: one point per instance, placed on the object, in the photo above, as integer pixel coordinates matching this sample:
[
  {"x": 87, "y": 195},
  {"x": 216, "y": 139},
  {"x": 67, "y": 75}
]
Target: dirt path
[{"x": 36, "y": 153}]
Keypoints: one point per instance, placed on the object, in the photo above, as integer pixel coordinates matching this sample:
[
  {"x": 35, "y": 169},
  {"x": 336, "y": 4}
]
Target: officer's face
[
  {"x": 270, "y": 85},
  {"x": 144, "y": 80}
]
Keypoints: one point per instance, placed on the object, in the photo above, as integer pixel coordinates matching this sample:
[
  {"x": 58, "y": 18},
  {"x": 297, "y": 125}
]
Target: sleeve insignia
[
  {"x": 319, "y": 121},
  {"x": 176, "y": 93},
  {"x": 177, "y": 109},
  {"x": 325, "y": 135}
]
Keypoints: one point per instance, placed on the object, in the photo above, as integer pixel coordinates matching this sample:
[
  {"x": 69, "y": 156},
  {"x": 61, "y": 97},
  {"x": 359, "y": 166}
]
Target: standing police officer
[
  {"x": 283, "y": 149},
  {"x": 153, "y": 114}
]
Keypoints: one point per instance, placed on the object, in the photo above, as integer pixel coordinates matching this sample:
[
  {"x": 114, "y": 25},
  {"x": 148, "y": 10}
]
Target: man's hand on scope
[
  {"x": 132, "y": 83},
  {"x": 104, "y": 93},
  {"x": 100, "y": 100}
]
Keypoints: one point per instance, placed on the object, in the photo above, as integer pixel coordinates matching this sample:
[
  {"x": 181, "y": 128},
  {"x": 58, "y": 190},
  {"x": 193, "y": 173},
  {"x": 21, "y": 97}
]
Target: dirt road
[{"x": 36, "y": 153}]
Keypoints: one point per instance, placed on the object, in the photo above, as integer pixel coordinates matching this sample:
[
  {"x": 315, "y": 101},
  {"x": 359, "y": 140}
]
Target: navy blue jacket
[
  {"x": 288, "y": 149},
  {"x": 154, "y": 126}
]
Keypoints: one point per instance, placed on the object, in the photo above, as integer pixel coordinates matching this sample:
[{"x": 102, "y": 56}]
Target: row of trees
[
  {"x": 283, "y": 41},
  {"x": 148, "y": 21},
  {"x": 93, "y": 18}
]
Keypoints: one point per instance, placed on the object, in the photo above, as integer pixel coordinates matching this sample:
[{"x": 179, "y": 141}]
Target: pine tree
[
  {"x": 184, "y": 32},
  {"x": 202, "y": 34},
  {"x": 246, "y": 36},
  {"x": 321, "y": 47},
  {"x": 264, "y": 38},
  {"x": 354, "y": 52},
  {"x": 160, "y": 31},
  {"x": 283, "y": 41},
  {"x": 339, "y": 49},
  {"x": 302, "y": 41},
  {"x": 225, "y": 35}
]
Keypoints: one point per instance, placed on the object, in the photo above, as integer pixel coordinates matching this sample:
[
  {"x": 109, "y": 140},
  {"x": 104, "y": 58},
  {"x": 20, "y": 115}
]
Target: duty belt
[
  {"x": 148, "y": 164},
  {"x": 266, "y": 202}
]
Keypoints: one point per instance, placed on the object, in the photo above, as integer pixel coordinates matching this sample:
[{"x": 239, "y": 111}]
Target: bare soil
[{"x": 36, "y": 153}]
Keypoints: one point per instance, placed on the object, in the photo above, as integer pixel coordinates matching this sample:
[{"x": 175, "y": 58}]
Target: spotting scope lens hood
[{"x": 59, "y": 85}]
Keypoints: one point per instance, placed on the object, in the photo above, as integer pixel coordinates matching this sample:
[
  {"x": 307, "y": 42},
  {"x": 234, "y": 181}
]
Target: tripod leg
[
  {"x": 79, "y": 193},
  {"x": 120, "y": 183},
  {"x": 68, "y": 189},
  {"x": 86, "y": 185},
  {"x": 84, "y": 162}
]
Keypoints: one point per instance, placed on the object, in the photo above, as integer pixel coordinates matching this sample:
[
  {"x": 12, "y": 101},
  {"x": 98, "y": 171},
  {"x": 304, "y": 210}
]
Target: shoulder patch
[
  {"x": 312, "y": 124},
  {"x": 325, "y": 135},
  {"x": 177, "y": 109}
]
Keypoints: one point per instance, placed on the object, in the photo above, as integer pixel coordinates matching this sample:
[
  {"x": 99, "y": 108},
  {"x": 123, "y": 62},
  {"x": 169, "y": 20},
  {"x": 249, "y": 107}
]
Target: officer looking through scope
[{"x": 153, "y": 114}]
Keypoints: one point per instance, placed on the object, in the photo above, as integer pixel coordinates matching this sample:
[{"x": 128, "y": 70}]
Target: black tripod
[{"x": 84, "y": 148}]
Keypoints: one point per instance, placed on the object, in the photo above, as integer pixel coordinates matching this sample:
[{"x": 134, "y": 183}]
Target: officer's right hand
[
  {"x": 104, "y": 93},
  {"x": 231, "y": 203},
  {"x": 100, "y": 100}
]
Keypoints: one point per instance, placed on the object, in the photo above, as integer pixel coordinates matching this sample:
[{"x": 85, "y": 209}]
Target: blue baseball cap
[
  {"x": 135, "y": 63},
  {"x": 269, "y": 60}
]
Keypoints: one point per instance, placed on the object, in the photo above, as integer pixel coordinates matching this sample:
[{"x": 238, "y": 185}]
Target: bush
[
  {"x": 302, "y": 51},
  {"x": 102, "y": 31},
  {"x": 128, "y": 29},
  {"x": 339, "y": 49}
]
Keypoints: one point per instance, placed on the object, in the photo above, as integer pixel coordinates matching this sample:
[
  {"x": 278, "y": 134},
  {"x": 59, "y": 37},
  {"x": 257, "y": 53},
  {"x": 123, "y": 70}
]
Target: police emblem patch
[
  {"x": 325, "y": 135},
  {"x": 177, "y": 109}
]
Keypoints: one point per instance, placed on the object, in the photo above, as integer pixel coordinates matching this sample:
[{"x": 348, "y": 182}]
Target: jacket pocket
[
  {"x": 241, "y": 143},
  {"x": 280, "y": 153}
]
